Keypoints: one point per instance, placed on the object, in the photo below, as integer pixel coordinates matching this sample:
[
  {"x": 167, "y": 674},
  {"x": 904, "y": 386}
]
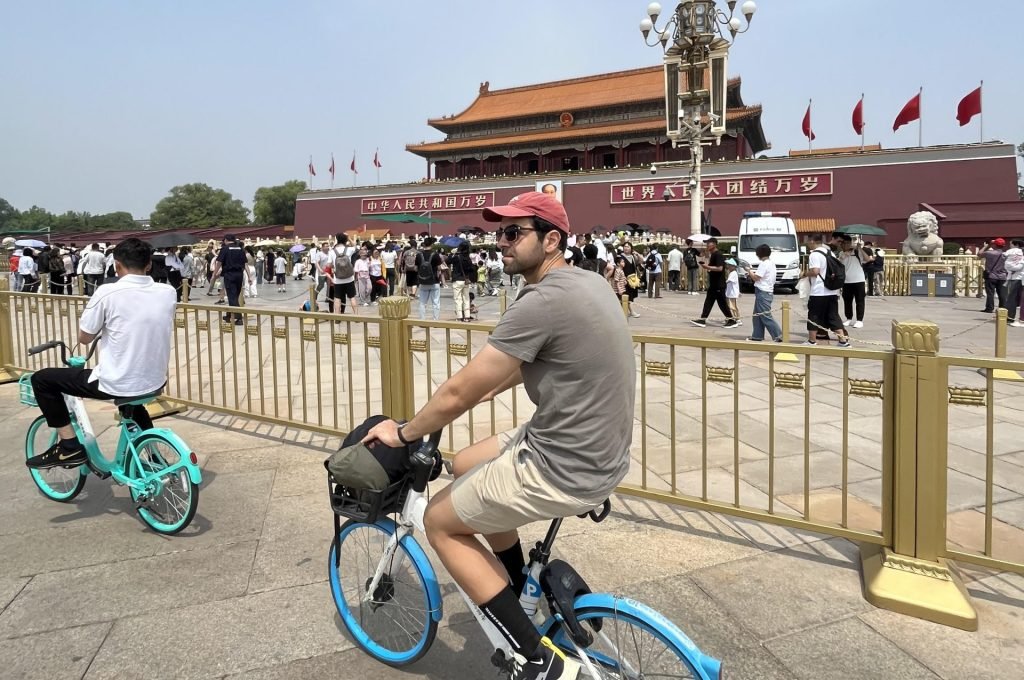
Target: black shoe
[
  {"x": 552, "y": 665},
  {"x": 699, "y": 322},
  {"x": 238, "y": 322},
  {"x": 731, "y": 323},
  {"x": 58, "y": 456},
  {"x": 987, "y": 311}
]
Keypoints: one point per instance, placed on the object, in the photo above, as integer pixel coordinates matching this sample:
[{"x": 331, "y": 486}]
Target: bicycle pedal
[
  {"x": 99, "y": 473},
  {"x": 498, "y": 660}
]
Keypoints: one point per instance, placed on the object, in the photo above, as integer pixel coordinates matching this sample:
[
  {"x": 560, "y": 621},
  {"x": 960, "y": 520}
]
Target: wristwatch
[{"x": 400, "y": 437}]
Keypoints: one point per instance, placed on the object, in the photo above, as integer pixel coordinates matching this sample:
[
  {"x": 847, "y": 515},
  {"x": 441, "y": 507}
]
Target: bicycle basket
[
  {"x": 366, "y": 505},
  {"x": 28, "y": 397}
]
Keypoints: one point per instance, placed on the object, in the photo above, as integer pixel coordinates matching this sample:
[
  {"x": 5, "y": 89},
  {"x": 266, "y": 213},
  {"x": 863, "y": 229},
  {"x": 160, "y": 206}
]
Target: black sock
[
  {"x": 515, "y": 564},
  {"x": 512, "y": 622},
  {"x": 70, "y": 444}
]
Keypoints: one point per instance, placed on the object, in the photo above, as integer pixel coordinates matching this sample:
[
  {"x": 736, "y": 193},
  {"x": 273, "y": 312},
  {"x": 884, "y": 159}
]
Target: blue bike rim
[{"x": 354, "y": 620}]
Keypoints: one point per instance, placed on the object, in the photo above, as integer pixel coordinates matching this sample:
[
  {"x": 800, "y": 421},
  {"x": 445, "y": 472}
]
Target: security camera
[
  {"x": 693, "y": 182},
  {"x": 668, "y": 194},
  {"x": 654, "y": 169}
]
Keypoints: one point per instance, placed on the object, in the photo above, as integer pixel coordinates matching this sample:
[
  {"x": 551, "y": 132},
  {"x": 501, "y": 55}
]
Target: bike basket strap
[
  {"x": 366, "y": 505},
  {"x": 25, "y": 392}
]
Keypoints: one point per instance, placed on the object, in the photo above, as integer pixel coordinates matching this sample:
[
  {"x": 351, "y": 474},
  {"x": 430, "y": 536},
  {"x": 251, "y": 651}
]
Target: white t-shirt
[
  {"x": 817, "y": 261},
  {"x": 27, "y": 266},
  {"x": 602, "y": 252},
  {"x": 93, "y": 262},
  {"x": 767, "y": 271},
  {"x": 854, "y": 268},
  {"x": 280, "y": 266},
  {"x": 135, "y": 317},
  {"x": 732, "y": 285},
  {"x": 362, "y": 268},
  {"x": 675, "y": 260},
  {"x": 319, "y": 259},
  {"x": 388, "y": 257},
  {"x": 336, "y": 252},
  {"x": 1014, "y": 264}
]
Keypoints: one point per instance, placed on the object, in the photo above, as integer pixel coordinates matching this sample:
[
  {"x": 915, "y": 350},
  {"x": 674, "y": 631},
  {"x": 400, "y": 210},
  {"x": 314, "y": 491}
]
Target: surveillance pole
[{"x": 696, "y": 190}]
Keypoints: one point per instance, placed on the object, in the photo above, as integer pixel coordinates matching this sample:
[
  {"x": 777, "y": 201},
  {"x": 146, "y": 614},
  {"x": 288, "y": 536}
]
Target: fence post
[
  {"x": 395, "y": 360},
  {"x": 785, "y": 320},
  {"x": 502, "y": 302},
  {"x": 1001, "y": 316},
  {"x": 625, "y": 305},
  {"x": 7, "y": 373},
  {"x": 909, "y": 576}
]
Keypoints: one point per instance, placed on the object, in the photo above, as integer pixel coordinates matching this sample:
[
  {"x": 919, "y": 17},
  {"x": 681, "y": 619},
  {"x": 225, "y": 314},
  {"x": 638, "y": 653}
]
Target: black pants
[
  {"x": 392, "y": 276},
  {"x": 997, "y": 287},
  {"x": 50, "y": 384},
  {"x": 711, "y": 298},
  {"x": 869, "y": 276},
  {"x": 673, "y": 279},
  {"x": 92, "y": 282},
  {"x": 233, "y": 288},
  {"x": 853, "y": 292},
  {"x": 1013, "y": 295},
  {"x": 174, "y": 278},
  {"x": 57, "y": 284}
]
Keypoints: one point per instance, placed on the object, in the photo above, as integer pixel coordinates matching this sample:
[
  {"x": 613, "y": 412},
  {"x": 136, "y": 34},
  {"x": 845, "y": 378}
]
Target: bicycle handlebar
[
  {"x": 63, "y": 349},
  {"x": 45, "y": 346},
  {"x": 422, "y": 460}
]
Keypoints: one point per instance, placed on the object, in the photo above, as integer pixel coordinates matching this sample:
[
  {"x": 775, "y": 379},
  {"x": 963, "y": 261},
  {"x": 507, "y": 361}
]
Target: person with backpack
[
  {"x": 428, "y": 282},
  {"x": 691, "y": 260},
  {"x": 827, "y": 275},
  {"x": 463, "y": 278},
  {"x": 408, "y": 268},
  {"x": 856, "y": 262},
  {"x": 343, "y": 275}
]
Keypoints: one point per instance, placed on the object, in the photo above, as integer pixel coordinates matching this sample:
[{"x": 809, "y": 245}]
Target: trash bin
[
  {"x": 945, "y": 285},
  {"x": 919, "y": 283}
]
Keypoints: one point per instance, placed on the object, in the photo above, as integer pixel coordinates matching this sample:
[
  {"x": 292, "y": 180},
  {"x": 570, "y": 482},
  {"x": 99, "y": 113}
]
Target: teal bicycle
[
  {"x": 160, "y": 470},
  {"x": 387, "y": 594}
]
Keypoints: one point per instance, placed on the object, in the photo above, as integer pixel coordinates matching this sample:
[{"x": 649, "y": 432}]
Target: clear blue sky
[{"x": 107, "y": 104}]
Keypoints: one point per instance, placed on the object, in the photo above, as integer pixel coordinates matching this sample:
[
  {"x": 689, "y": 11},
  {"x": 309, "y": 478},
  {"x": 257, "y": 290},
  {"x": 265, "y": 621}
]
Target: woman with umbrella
[{"x": 28, "y": 271}]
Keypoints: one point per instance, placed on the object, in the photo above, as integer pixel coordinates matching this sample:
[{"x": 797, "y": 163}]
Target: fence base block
[
  {"x": 8, "y": 376},
  {"x": 786, "y": 356},
  {"x": 926, "y": 590},
  {"x": 1003, "y": 374},
  {"x": 165, "y": 407}
]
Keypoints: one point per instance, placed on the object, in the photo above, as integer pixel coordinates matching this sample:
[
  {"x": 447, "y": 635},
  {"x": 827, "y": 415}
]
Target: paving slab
[
  {"x": 58, "y": 655},
  {"x": 9, "y": 589},
  {"x": 811, "y": 654}
]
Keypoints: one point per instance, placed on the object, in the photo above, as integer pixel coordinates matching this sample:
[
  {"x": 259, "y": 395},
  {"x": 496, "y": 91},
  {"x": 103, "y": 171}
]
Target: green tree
[
  {"x": 115, "y": 221},
  {"x": 35, "y": 219},
  {"x": 8, "y": 214},
  {"x": 276, "y": 205},
  {"x": 198, "y": 205},
  {"x": 71, "y": 221}
]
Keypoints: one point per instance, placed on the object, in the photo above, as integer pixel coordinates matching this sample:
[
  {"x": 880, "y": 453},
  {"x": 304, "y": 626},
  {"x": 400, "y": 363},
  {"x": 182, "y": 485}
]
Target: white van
[{"x": 778, "y": 231}]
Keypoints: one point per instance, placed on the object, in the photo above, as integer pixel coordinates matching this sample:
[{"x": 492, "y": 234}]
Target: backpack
[
  {"x": 835, "y": 273},
  {"x": 689, "y": 259},
  {"x": 343, "y": 268},
  {"x": 409, "y": 259},
  {"x": 424, "y": 270},
  {"x": 55, "y": 265}
]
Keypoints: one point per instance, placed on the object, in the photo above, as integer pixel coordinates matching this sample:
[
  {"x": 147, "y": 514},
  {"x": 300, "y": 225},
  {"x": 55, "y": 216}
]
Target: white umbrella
[
  {"x": 699, "y": 238},
  {"x": 30, "y": 243}
]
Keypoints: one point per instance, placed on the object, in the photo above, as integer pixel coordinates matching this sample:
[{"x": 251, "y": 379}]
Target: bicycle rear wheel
[
  {"x": 170, "y": 506},
  {"x": 58, "y": 483},
  {"x": 630, "y": 647},
  {"x": 395, "y": 625}
]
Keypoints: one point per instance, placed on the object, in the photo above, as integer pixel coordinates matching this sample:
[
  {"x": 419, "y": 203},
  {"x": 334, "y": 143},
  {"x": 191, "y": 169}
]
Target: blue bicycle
[
  {"x": 387, "y": 594},
  {"x": 161, "y": 472}
]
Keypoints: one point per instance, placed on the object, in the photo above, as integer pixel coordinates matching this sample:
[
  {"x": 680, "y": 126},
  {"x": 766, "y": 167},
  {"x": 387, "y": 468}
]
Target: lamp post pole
[{"x": 696, "y": 52}]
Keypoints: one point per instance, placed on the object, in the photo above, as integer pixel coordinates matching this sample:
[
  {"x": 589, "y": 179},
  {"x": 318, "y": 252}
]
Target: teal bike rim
[
  {"x": 59, "y": 484},
  {"x": 175, "y": 489}
]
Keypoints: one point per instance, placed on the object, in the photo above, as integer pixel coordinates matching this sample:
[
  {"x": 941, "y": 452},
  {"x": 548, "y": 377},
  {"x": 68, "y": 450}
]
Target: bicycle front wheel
[
  {"x": 395, "y": 623},
  {"x": 168, "y": 507},
  {"x": 631, "y": 647},
  {"x": 58, "y": 483}
]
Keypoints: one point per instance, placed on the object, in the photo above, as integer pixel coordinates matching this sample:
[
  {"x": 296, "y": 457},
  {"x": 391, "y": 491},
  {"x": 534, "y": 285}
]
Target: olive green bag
[{"x": 357, "y": 468}]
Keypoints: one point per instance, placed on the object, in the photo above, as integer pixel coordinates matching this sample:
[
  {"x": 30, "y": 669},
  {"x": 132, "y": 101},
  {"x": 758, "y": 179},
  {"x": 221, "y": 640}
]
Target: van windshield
[{"x": 779, "y": 243}]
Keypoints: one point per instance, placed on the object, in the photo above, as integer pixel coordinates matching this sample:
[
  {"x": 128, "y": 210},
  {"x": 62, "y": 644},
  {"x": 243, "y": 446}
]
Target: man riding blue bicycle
[
  {"x": 135, "y": 316},
  {"x": 567, "y": 341}
]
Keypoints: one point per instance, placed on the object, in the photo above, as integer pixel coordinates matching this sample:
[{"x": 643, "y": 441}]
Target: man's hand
[{"x": 386, "y": 432}]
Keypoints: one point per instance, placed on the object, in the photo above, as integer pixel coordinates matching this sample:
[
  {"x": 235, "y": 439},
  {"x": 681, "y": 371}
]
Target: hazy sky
[{"x": 107, "y": 104}]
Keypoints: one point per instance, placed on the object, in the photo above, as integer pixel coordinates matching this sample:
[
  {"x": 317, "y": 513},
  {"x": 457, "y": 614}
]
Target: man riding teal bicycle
[
  {"x": 567, "y": 341},
  {"x": 135, "y": 316}
]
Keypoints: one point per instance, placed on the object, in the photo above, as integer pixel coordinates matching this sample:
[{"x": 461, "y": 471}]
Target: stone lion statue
[{"x": 922, "y": 235}]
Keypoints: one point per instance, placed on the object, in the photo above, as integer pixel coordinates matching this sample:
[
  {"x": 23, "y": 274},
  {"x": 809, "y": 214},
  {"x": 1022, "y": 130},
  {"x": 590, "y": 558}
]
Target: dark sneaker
[
  {"x": 552, "y": 665},
  {"x": 731, "y": 323},
  {"x": 57, "y": 456},
  {"x": 699, "y": 322}
]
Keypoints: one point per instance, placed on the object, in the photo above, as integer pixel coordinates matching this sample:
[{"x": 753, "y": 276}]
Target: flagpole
[
  {"x": 332, "y": 169},
  {"x": 981, "y": 115},
  {"x": 810, "y": 127},
  {"x": 376, "y": 163},
  {"x": 354, "y": 173},
  {"x": 920, "y": 115},
  {"x": 862, "y": 122},
  {"x": 310, "y": 169}
]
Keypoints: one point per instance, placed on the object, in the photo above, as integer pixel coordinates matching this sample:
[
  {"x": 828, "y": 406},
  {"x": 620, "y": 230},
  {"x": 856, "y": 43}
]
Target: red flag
[
  {"x": 969, "y": 107},
  {"x": 352, "y": 165},
  {"x": 858, "y": 117},
  {"x": 312, "y": 171},
  {"x": 806, "y": 126},
  {"x": 331, "y": 169},
  {"x": 910, "y": 112},
  {"x": 376, "y": 161}
]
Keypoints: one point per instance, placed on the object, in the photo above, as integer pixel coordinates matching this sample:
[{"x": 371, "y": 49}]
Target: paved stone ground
[{"x": 86, "y": 591}]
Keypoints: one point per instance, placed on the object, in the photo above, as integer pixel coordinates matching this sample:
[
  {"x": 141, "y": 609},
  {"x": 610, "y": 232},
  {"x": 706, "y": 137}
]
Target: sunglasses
[{"x": 511, "y": 232}]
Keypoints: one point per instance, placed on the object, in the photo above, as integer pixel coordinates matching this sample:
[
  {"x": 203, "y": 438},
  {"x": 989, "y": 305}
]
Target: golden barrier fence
[
  {"x": 872, "y": 445},
  {"x": 967, "y": 271}
]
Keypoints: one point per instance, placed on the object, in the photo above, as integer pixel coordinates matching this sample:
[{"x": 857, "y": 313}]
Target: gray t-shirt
[{"x": 579, "y": 369}]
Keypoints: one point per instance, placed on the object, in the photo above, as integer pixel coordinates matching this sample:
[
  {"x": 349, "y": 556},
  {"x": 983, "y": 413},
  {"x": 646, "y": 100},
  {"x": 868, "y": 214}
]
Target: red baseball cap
[
  {"x": 531, "y": 204},
  {"x": 998, "y": 242}
]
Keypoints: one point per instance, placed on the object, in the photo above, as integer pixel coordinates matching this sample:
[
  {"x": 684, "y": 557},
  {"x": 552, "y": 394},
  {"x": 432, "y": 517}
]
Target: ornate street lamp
[{"x": 696, "y": 55}]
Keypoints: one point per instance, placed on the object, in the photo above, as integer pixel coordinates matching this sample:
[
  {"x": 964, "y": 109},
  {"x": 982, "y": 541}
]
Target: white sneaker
[
  {"x": 858, "y": 324},
  {"x": 1016, "y": 324},
  {"x": 848, "y": 322},
  {"x": 808, "y": 343}
]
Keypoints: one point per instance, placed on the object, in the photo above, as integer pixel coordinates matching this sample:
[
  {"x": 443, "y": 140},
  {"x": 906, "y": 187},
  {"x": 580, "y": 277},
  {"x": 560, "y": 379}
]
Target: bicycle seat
[{"x": 140, "y": 400}]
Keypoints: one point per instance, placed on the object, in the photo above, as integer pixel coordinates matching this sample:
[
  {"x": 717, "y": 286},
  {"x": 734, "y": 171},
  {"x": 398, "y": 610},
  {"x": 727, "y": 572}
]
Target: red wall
[{"x": 861, "y": 195}]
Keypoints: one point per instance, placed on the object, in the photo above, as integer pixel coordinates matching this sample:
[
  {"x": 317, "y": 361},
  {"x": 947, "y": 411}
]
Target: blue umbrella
[
  {"x": 297, "y": 248},
  {"x": 29, "y": 243},
  {"x": 452, "y": 241}
]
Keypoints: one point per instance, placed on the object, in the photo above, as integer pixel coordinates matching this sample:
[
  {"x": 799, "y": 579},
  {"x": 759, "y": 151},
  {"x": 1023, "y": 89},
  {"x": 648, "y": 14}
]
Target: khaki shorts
[{"x": 510, "y": 491}]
